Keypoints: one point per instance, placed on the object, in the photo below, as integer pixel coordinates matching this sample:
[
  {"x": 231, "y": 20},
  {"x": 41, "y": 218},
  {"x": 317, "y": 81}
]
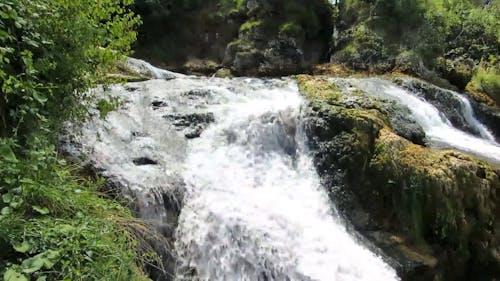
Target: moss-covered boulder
[
  {"x": 434, "y": 213},
  {"x": 282, "y": 37}
]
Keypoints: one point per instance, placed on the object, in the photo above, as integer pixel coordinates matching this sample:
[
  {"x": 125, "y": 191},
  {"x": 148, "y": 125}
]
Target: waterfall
[
  {"x": 468, "y": 113},
  {"x": 222, "y": 165},
  {"x": 254, "y": 208},
  {"x": 439, "y": 130},
  {"x": 252, "y": 204}
]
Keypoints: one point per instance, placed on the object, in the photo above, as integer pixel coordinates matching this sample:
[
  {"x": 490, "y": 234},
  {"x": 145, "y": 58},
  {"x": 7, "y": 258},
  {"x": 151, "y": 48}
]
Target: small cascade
[
  {"x": 438, "y": 129},
  {"x": 468, "y": 114}
]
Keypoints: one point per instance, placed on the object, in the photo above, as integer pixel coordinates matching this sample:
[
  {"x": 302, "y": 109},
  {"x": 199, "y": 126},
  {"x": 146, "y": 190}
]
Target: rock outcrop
[
  {"x": 254, "y": 37},
  {"x": 434, "y": 213}
]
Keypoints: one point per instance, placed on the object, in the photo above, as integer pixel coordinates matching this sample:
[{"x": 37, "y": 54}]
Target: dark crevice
[{"x": 142, "y": 161}]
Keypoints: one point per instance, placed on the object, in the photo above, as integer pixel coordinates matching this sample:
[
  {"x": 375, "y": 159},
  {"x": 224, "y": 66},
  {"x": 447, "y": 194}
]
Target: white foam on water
[{"x": 255, "y": 209}]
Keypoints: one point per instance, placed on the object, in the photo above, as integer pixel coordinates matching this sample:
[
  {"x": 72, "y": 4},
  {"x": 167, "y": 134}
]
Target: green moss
[
  {"x": 249, "y": 25},
  {"x": 438, "y": 196},
  {"x": 291, "y": 29},
  {"x": 240, "y": 44}
]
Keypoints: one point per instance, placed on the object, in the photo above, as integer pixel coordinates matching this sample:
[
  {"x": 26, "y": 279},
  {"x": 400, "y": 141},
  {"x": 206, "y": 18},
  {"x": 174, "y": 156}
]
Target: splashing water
[{"x": 254, "y": 208}]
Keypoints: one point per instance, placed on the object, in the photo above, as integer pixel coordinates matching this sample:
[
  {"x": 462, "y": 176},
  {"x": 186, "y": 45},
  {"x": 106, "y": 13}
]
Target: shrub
[
  {"x": 487, "y": 79},
  {"x": 53, "y": 224},
  {"x": 52, "y": 50}
]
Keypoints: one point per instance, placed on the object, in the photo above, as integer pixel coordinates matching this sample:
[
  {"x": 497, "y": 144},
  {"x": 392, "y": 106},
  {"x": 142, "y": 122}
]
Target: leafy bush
[
  {"x": 365, "y": 48},
  {"x": 53, "y": 224},
  {"x": 51, "y": 51},
  {"x": 437, "y": 31}
]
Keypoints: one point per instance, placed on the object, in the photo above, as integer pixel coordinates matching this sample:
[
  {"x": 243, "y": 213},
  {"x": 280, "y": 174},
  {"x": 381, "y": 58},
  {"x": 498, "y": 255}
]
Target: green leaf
[
  {"x": 66, "y": 229},
  {"x": 51, "y": 258},
  {"x": 7, "y": 153},
  {"x": 41, "y": 210},
  {"x": 42, "y": 278},
  {"x": 41, "y": 99},
  {"x": 23, "y": 247},
  {"x": 7, "y": 198},
  {"x": 16, "y": 202},
  {"x": 33, "y": 264},
  {"x": 12, "y": 275},
  {"x": 6, "y": 211}
]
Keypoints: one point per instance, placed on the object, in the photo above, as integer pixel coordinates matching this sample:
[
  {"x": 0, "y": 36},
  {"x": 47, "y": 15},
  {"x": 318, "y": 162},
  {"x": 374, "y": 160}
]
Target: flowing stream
[{"x": 253, "y": 208}]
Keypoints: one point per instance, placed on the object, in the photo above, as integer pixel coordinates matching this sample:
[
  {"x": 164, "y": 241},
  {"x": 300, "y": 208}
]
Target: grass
[{"x": 55, "y": 225}]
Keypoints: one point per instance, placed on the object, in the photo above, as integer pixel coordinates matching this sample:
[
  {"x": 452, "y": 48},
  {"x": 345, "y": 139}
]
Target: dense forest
[{"x": 58, "y": 222}]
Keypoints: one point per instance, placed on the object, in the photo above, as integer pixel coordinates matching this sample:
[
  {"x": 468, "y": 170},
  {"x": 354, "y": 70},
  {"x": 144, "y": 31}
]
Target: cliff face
[{"x": 256, "y": 37}]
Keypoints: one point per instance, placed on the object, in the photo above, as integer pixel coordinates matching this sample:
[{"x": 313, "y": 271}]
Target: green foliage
[
  {"x": 52, "y": 50},
  {"x": 487, "y": 79},
  {"x": 231, "y": 6},
  {"x": 291, "y": 29},
  {"x": 53, "y": 225},
  {"x": 249, "y": 25},
  {"x": 459, "y": 32},
  {"x": 105, "y": 106},
  {"x": 365, "y": 48}
]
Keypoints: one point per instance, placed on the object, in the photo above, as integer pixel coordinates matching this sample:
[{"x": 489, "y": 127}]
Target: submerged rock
[{"x": 435, "y": 213}]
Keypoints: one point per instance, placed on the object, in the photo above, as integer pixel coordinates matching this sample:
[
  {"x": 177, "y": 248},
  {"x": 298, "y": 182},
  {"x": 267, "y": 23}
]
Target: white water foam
[{"x": 254, "y": 208}]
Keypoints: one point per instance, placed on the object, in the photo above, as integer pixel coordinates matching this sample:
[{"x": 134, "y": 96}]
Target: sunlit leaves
[{"x": 51, "y": 51}]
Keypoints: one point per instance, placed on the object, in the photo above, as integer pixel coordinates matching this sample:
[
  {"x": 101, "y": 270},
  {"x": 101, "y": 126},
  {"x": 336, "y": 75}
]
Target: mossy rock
[
  {"x": 442, "y": 204},
  {"x": 441, "y": 197}
]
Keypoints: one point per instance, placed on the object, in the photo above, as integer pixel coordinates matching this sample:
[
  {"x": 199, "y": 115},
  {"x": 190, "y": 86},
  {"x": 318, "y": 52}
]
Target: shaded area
[{"x": 254, "y": 37}]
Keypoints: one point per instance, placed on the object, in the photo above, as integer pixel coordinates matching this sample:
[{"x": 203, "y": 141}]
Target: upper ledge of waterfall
[{"x": 434, "y": 212}]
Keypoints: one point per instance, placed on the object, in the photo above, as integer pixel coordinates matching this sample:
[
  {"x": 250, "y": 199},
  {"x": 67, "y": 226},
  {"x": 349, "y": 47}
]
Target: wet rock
[
  {"x": 223, "y": 73},
  {"x": 404, "y": 125},
  {"x": 193, "y": 132},
  {"x": 139, "y": 155},
  {"x": 200, "y": 66},
  {"x": 190, "y": 119},
  {"x": 158, "y": 104},
  {"x": 142, "y": 161}
]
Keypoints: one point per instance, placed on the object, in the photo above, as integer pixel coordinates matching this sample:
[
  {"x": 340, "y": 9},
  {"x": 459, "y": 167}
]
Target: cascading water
[
  {"x": 254, "y": 208},
  {"x": 439, "y": 131},
  {"x": 233, "y": 151}
]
